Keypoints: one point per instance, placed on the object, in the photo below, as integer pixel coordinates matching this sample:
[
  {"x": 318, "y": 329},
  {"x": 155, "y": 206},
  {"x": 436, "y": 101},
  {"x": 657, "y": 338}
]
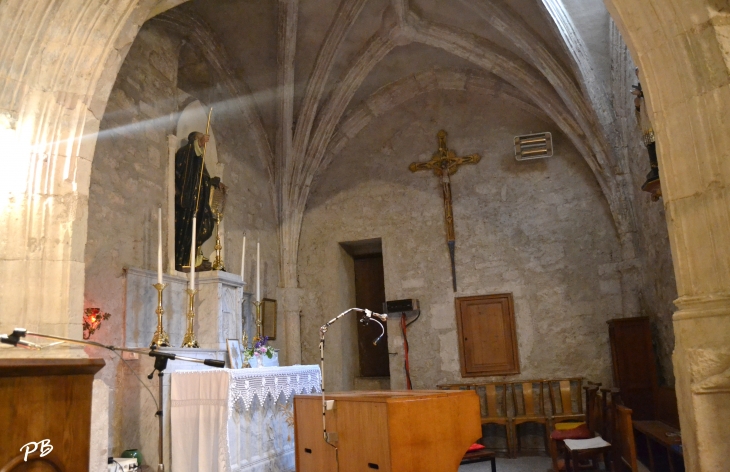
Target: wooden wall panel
[{"x": 487, "y": 335}]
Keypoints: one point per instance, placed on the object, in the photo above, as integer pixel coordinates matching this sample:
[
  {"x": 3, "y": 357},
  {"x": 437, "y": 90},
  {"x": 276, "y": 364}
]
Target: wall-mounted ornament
[
  {"x": 652, "y": 183},
  {"x": 444, "y": 164},
  {"x": 92, "y": 320},
  {"x": 533, "y": 146}
]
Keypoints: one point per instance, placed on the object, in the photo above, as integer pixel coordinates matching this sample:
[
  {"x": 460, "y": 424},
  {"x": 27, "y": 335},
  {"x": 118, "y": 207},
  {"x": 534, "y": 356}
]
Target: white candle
[
  {"x": 193, "y": 256},
  {"x": 243, "y": 259},
  {"x": 258, "y": 272},
  {"x": 159, "y": 246}
]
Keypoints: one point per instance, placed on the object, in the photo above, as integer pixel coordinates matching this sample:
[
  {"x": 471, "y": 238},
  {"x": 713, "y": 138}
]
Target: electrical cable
[
  {"x": 118, "y": 466},
  {"x": 157, "y": 406},
  {"x": 414, "y": 319},
  {"x": 404, "y": 328}
]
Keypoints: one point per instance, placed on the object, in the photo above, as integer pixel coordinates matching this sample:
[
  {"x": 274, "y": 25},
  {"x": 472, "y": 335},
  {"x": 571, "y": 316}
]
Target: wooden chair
[
  {"x": 481, "y": 455},
  {"x": 594, "y": 408},
  {"x": 493, "y": 405},
  {"x": 577, "y": 453},
  {"x": 565, "y": 406},
  {"x": 526, "y": 410},
  {"x": 609, "y": 397},
  {"x": 562, "y": 409},
  {"x": 624, "y": 444}
]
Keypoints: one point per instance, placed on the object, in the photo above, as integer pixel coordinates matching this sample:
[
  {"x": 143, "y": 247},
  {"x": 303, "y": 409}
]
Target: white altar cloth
[{"x": 236, "y": 420}]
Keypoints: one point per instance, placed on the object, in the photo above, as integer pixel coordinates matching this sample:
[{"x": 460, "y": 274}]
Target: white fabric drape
[{"x": 212, "y": 410}]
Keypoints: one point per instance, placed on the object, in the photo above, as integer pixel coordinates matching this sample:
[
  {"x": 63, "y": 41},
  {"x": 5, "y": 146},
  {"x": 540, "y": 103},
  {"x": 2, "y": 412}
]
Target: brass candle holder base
[
  {"x": 189, "y": 338},
  {"x": 218, "y": 262},
  {"x": 258, "y": 322},
  {"x": 160, "y": 338}
]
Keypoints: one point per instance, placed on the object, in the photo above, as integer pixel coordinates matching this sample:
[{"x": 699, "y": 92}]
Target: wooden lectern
[
  {"x": 46, "y": 399},
  {"x": 389, "y": 431}
]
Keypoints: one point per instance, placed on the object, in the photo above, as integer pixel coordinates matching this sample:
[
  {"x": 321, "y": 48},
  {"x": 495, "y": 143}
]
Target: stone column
[
  {"x": 289, "y": 313},
  {"x": 681, "y": 51}
]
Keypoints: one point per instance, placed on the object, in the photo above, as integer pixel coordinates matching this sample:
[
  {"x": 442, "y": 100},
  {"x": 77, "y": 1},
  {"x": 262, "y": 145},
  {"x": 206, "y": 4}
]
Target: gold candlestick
[
  {"x": 258, "y": 321},
  {"x": 218, "y": 263},
  {"x": 189, "y": 338},
  {"x": 160, "y": 338}
]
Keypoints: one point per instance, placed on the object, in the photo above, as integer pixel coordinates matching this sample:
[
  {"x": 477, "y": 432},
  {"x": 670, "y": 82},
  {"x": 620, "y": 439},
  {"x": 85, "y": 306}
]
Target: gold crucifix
[{"x": 445, "y": 164}]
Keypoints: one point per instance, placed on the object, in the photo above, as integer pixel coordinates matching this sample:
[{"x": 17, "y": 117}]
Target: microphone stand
[
  {"x": 369, "y": 316},
  {"x": 161, "y": 359}
]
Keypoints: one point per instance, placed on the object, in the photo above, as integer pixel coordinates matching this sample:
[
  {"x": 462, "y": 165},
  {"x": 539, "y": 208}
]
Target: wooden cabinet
[
  {"x": 634, "y": 367},
  {"x": 411, "y": 431},
  {"x": 46, "y": 399},
  {"x": 487, "y": 335}
]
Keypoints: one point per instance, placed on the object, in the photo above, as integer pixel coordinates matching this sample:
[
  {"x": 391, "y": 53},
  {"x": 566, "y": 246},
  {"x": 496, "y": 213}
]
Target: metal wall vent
[{"x": 533, "y": 146}]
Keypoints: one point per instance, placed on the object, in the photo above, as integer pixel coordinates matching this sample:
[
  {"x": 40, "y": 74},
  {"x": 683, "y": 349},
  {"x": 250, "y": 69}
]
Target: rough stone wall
[
  {"x": 658, "y": 288},
  {"x": 540, "y": 230},
  {"x": 128, "y": 185}
]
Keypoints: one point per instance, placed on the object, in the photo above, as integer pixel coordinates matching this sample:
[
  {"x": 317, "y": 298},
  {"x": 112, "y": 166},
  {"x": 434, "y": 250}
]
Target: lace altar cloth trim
[{"x": 245, "y": 384}]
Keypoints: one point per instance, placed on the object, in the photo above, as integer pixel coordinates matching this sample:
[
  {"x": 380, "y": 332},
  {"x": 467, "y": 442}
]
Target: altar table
[{"x": 236, "y": 420}]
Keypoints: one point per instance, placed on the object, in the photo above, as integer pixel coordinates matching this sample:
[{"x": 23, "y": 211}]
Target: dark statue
[
  {"x": 652, "y": 184},
  {"x": 192, "y": 191}
]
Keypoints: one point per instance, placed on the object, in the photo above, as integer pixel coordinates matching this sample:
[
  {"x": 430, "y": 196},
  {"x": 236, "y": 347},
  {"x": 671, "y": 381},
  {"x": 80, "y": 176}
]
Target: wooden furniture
[
  {"x": 526, "y": 410},
  {"x": 46, "y": 399},
  {"x": 594, "y": 422},
  {"x": 487, "y": 336},
  {"x": 634, "y": 367},
  {"x": 566, "y": 405},
  {"x": 657, "y": 433},
  {"x": 574, "y": 457},
  {"x": 665, "y": 406},
  {"x": 594, "y": 410},
  {"x": 411, "y": 431},
  {"x": 492, "y": 406},
  {"x": 625, "y": 446},
  {"x": 481, "y": 455},
  {"x": 609, "y": 398}
]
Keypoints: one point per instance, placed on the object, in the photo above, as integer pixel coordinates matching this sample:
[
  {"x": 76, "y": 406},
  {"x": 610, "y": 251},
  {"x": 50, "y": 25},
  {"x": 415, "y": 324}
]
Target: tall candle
[
  {"x": 159, "y": 246},
  {"x": 243, "y": 259},
  {"x": 193, "y": 256},
  {"x": 258, "y": 271}
]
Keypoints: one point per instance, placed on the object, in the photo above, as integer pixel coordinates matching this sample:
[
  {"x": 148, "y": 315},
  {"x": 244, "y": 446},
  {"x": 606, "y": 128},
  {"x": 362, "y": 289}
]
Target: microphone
[{"x": 13, "y": 341}]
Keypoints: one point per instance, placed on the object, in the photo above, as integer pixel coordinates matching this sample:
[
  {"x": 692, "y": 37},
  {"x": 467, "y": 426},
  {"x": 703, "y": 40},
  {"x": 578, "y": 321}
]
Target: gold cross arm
[{"x": 444, "y": 159}]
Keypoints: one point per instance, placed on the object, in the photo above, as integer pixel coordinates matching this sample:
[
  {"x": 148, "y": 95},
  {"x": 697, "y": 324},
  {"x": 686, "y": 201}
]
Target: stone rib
[{"x": 346, "y": 15}]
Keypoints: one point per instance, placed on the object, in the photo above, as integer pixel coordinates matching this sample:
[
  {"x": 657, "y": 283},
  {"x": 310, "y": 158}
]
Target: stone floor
[{"x": 521, "y": 464}]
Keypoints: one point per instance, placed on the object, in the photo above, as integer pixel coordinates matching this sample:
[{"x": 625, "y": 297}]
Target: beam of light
[
  {"x": 17, "y": 158},
  {"x": 25, "y": 161}
]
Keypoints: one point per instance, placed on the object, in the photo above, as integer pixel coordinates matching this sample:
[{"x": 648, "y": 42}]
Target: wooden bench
[{"x": 660, "y": 433}]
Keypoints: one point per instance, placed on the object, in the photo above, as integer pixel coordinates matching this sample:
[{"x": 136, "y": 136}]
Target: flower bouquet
[{"x": 259, "y": 350}]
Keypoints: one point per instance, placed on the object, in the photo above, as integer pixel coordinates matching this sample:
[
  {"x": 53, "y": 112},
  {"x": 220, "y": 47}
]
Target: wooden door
[
  {"x": 634, "y": 368},
  {"x": 487, "y": 335},
  {"x": 370, "y": 294}
]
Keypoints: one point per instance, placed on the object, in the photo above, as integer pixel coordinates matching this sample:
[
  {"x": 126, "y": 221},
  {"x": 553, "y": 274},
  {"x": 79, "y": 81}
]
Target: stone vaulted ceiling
[{"x": 308, "y": 75}]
